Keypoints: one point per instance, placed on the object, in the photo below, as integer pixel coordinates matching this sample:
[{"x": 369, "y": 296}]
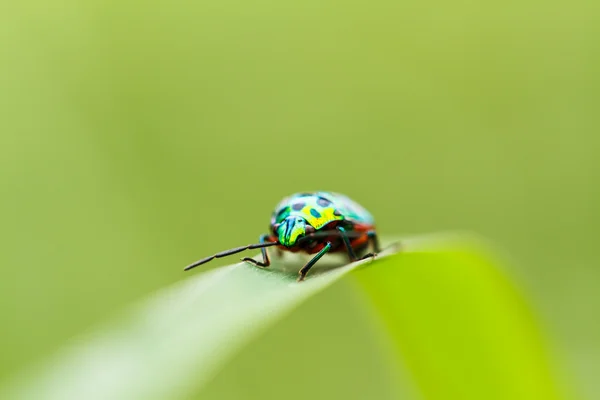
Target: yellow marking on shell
[
  {"x": 295, "y": 233},
  {"x": 327, "y": 215}
]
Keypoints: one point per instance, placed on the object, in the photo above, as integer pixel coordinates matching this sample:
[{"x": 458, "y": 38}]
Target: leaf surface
[{"x": 459, "y": 325}]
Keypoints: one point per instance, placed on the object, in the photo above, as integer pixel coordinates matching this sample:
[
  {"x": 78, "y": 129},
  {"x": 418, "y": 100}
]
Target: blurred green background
[{"x": 136, "y": 137}]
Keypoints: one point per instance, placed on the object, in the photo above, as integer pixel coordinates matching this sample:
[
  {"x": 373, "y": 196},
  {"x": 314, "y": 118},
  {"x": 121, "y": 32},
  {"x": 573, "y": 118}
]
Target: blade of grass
[
  {"x": 462, "y": 328},
  {"x": 177, "y": 340}
]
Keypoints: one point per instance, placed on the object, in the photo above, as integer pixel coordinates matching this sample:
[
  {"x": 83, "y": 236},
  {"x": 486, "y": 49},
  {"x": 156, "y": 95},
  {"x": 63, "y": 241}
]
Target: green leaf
[{"x": 460, "y": 327}]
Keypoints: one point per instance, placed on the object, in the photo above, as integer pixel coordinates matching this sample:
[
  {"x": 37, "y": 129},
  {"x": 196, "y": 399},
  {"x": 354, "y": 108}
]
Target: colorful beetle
[{"x": 315, "y": 223}]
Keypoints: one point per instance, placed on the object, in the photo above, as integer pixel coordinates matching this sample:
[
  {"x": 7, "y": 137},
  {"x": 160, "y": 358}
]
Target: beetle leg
[
  {"x": 374, "y": 241},
  {"x": 349, "y": 249},
  {"x": 302, "y": 273},
  {"x": 265, "y": 256},
  {"x": 351, "y": 254}
]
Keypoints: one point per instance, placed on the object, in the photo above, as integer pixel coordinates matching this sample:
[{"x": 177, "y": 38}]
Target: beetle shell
[
  {"x": 325, "y": 210},
  {"x": 316, "y": 222},
  {"x": 321, "y": 208}
]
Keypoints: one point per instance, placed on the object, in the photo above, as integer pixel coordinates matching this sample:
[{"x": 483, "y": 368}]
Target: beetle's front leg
[
  {"x": 265, "y": 255},
  {"x": 302, "y": 273}
]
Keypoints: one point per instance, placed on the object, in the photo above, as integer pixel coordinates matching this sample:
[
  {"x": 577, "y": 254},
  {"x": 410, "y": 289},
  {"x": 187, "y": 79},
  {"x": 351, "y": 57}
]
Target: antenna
[{"x": 230, "y": 252}]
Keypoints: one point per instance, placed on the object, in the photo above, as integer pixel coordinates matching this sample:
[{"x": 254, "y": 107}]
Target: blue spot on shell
[
  {"x": 323, "y": 202},
  {"x": 315, "y": 213}
]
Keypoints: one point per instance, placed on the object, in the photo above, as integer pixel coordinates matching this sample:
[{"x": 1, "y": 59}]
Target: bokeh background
[{"x": 136, "y": 137}]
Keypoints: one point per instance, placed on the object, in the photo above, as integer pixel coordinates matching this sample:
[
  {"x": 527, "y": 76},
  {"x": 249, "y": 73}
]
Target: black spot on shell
[
  {"x": 315, "y": 213},
  {"x": 337, "y": 213},
  {"x": 323, "y": 202},
  {"x": 298, "y": 206}
]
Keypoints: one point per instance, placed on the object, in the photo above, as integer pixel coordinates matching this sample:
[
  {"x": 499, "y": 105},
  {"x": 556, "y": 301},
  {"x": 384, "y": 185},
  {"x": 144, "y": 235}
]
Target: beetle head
[{"x": 291, "y": 229}]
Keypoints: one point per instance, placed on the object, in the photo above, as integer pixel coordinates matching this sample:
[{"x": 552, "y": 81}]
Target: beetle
[{"x": 314, "y": 223}]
